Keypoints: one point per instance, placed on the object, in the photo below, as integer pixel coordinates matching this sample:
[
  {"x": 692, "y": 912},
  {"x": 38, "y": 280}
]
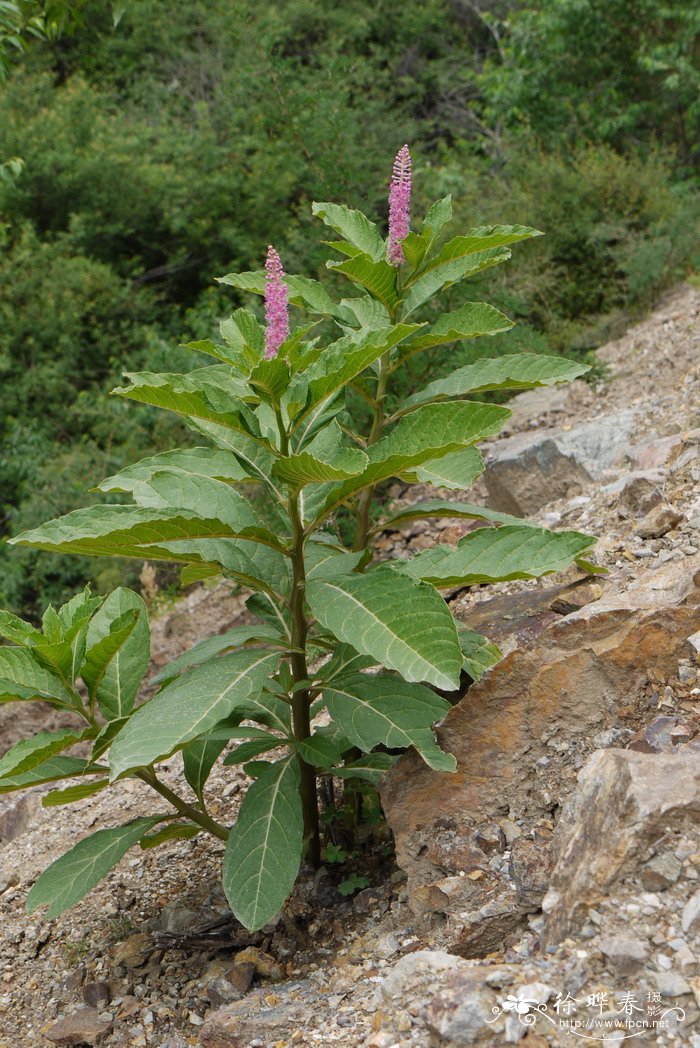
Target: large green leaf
[
  {"x": 405, "y": 628},
  {"x": 328, "y": 560},
  {"x": 498, "y": 555},
  {"x": 117, "y": 657},
  {"x": 212, "y": 646},
  {"x": 302, "y": 292},
  {"x": 437, "y": 508},
  {"x": 456, "y": 471},
  {"x": 17, "y": 631},
  {"x": 378, "y": 277},
  {"x": 423, "y": 436},
  {"x": 71, "y": 794},
  {"x": 472, "y": 320},
  {"x": 481, "y": 239},
  {"x": 188, "y": 707},
  {"x": 23, "y": 677},
  {"x": 198, "y": 462},
  {"x": 150, "y": 534},
  {"x": 519, "y": 371},
  {"x": 194, "y": 396},
  {"x": 72, "y": 876},
  {"x": 385, "y": 710},
  {"x": 447, "y": 274},
  {"x": 352, "y": 226},
  {"x": 52, "y": 770},
  {"x": 263, "y": 851},
  {"x": 29, "y": 753}
]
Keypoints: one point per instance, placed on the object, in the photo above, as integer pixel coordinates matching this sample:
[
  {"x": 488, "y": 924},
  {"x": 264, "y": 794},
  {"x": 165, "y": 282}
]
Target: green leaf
[
  {"x": 353, "y": 226},
  {"x": 74, "y": 793},
  {"x": 212, "y": 646},
  {"x": 50, "y": 771},
  {"x": 28, "y": 753},
  {"x": 345, "y": 660},
  {"x": 270, "y": 379},
  {"x": 188, "y": 707},
  {"x": 209, "y": 499},
  {"x": 319, "y": 751},
  {"x": 254, "y": 458},
  {"x": 379, "y": 278},
  {"x": 385, "y": 710},
  {"x": 498, "y": 555},
  {"x": 260, "y": 742},
  {"x": 194, "y": 396},
  {"x": 118, "y": 653},
  {"x": 409, "y": 629},
  {"x": 472, "y": 320},
  {"x": 263, "y": 851},
  {"x": 480, "y": 240},
  {"x": 456, "y": 471},
  {"x": 302, "y": 292},
  {"x": 198, "y": 759},
  {"x": 173, "y": 831},
  {"x": 423, "y": 436},
  {"x": 342, "y": 361},
  {"x": 479, "y": 654},
  {"x": 520, "y": 371},
  {"x": 438, "y": 216},
  {"x": 150, "y": 534},
  {"x": 371, "y": 767},
  {"x": 325, "y": 458},
  {"x": 328, "y": 560},
  {"x": 23, "y": 677},
  {"x": 17, "y": 631},
  {"x": 438, "y": 508},
  {"x": 72, "y": 876},
  {"x": 198, "y": 462},
  {"x": 450, "y": 273},
  {"x": 367, "y": 312}
]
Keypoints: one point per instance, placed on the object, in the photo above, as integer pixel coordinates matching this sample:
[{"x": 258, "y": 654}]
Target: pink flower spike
[
  {"x": 399, "y": 206},
  {"x": 276, "y": 304}
]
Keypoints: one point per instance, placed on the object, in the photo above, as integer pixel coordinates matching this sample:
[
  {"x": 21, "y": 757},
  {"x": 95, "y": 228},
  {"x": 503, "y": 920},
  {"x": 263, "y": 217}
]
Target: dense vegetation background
[{"x": 139, "y": 161}]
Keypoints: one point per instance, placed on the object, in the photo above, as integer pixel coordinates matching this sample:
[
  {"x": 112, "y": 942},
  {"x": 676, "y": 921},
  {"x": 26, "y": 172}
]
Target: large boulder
[
  {"x": 531, "y": 469},
  {"x": 519, "y": 737}
]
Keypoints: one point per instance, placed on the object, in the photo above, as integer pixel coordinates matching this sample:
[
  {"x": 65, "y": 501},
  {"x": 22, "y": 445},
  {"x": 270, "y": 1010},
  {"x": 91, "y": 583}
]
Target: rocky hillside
[{"x": 554, "y": 878}]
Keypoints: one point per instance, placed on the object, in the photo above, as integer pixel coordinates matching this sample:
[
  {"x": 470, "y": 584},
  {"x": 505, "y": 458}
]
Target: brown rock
[
  {"x": 255, "y": 1019},
  {"x": 82, "y": 1027},
  {"x": 625, "y": 802},
  {"x": 134, "y": 951},
  {"x": 17, "y": 814},
  {"x": 573, "y": 682},
  {"x": 531, "y": 864},
  {"x": 263, "y": 964},
  {"x": 658, "y": 521},
  {"x": 663, "y": 735},
  {"x": 97, "y": 994}
]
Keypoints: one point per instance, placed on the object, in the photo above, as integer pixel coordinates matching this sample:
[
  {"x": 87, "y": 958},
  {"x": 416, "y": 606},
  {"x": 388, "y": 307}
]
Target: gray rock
[
  {"x": 690, "y": 920},
  {"x": 625, "y": 955},
  {"x": 662, "y": 870},
  {"x": 415, "y": 968},
  {"x": 97, "y": 994},
  {"x": 530, "y": 470},
  {"x": 177, "y": 919}
]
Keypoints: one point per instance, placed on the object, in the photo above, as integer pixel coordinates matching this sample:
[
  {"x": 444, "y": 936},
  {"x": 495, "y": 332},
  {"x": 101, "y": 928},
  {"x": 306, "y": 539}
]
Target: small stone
[
  {"x": 658, "y": 522},
  {"x": 661, "y": 871},
  {"x": 670, "y": 984},
  {"x": 97, "y": 994},
  {"x": 624, "y": 954},
  {"x": 82, "y": 1027},
  {"x": 75, "y": 979},
  {"x": 177, "y": 919},
  {"x": 690, "y": 919}
]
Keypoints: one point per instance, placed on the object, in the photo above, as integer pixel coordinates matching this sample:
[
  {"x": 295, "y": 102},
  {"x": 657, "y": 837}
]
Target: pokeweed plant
[{"x": 364, "y": 644}]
